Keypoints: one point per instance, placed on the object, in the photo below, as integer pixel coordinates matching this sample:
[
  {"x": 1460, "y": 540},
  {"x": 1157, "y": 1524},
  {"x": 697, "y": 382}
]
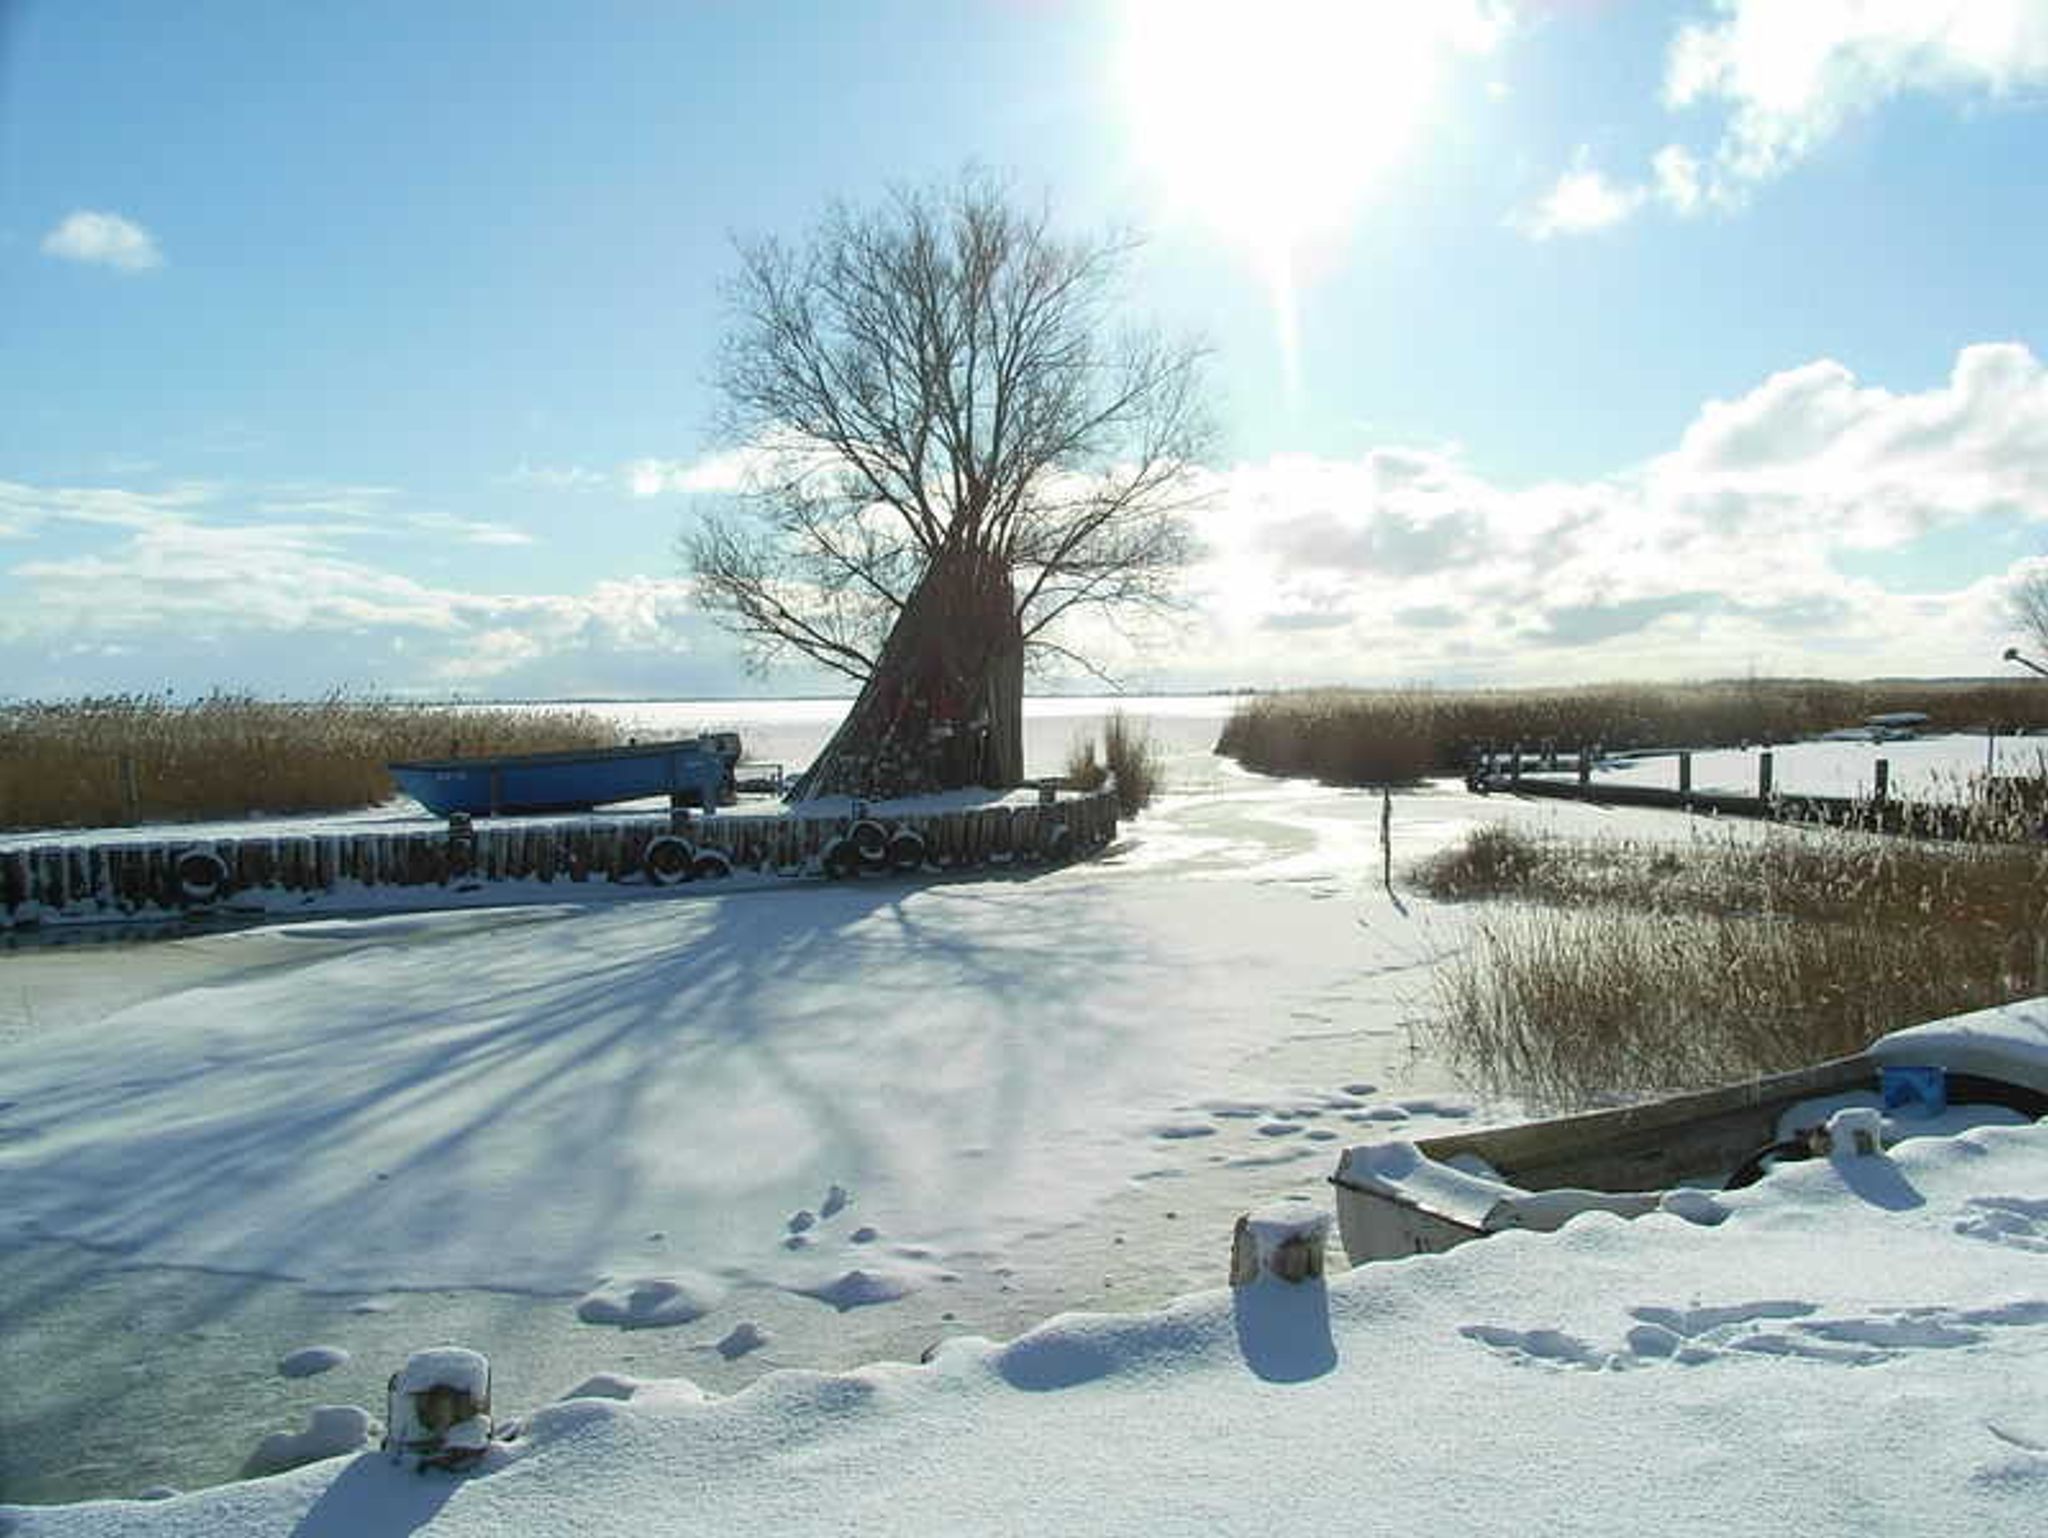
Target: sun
[{"x": 1271, "y": 120}]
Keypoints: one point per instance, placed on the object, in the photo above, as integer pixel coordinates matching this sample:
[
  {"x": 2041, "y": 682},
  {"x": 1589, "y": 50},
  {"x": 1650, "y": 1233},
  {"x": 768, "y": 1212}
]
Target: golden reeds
[{"x": 112, "y": 759}]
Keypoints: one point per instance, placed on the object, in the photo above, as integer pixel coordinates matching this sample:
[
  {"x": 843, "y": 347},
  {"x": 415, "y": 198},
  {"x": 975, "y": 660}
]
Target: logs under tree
[{"x": 950, "y": 453}]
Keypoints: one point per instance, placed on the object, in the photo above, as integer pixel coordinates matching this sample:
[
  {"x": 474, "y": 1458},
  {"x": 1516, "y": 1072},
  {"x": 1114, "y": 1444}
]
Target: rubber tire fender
[{"x": 668, "y": 860}]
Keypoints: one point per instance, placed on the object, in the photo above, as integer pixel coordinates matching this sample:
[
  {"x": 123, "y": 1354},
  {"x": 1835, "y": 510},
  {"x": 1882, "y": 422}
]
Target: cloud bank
[{"x": 1745, "y": 546}]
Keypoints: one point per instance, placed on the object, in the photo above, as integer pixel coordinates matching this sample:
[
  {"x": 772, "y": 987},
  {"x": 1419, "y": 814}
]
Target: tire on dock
[
  {"x": 907, "y": 850},
  {"x": 668, "y": 860},
  {"x": 199, "y": 875}
]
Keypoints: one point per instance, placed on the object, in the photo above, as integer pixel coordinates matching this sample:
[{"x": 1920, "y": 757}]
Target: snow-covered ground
[
  {"x": 1927, "y": 768},
  {"x": 708, "y": 1136}
]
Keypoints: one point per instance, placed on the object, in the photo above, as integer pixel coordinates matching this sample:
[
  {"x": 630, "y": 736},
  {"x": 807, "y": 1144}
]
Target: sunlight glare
[{"x": 1270, "y": 122}]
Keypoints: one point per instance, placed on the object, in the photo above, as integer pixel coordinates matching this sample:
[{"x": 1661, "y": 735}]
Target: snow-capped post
[
  {"x": 439, "y": 1412},
  {"x": 1285, "y": 1242}
]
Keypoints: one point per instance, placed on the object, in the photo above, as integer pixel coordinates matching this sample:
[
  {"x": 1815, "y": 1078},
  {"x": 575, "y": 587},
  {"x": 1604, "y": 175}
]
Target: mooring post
[
  {"x": 1283, "y": 1242},
  {"x": 1763, "y": 775},
  {"x": 131, "y": 789},
  {"x": 1685, "y": 774}
]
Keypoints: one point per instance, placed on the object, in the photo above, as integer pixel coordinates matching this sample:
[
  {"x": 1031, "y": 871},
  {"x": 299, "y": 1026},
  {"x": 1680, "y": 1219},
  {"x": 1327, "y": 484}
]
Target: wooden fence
[{"x": 138, "y": 878}]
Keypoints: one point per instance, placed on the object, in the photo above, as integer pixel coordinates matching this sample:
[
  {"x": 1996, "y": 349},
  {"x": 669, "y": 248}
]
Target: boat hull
[{"x": 566, "y": 782}]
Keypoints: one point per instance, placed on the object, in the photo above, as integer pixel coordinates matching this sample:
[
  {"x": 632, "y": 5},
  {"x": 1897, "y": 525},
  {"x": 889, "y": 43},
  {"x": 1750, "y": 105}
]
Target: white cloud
[
  {"x": 1739, "y": 547},
  {"x": 1675, "y": 171},
  {"x": 1734, "y": 549},
  {"x": 1581, "y": 201},
  {"x": 105, "y": 240},
  {"x": 1790, "y": 76},
  {"x": 557, "y": 477}
]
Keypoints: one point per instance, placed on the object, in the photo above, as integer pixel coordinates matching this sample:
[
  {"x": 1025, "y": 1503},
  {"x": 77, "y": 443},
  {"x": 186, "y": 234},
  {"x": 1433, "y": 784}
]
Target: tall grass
[
  {"x": 1128, "y": 753},
  {"x": 228, "y": 755},
  {"x": 1629, "y": 968},
  {"x": 1370, "y": 737}
]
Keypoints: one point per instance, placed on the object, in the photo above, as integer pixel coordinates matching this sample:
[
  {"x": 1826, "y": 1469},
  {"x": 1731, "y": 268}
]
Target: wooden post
[
  {"x": 1387, "y": 838},
  {"x": 1585, "y": 766},
  {"x": 1763, "y": 775},
  {"x": 1282, "y": 1242},
  {"x": 1515, "y": 764},
  {"x": 131, "y": 789},
  {"x": 1883, "y": 786},
  {"x": 1685, "y": 774}
]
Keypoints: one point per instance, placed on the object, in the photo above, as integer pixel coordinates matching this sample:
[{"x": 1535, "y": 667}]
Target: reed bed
[
  {"x": 1631, "y": 968},
  {"x": 1129, "y": 753},
  {"x": 114, "y": 759},
  {"x": 1396, "y": 736}
]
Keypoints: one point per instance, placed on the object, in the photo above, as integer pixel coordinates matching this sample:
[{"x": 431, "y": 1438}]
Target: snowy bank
[{"x": 1616, "y": 1377}]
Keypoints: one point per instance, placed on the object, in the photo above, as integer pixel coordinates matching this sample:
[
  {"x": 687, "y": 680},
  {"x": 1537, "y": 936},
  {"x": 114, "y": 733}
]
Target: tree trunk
[{"x": 945, "y": 705}]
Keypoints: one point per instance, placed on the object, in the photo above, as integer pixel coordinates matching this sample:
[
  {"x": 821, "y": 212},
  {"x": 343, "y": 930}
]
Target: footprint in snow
[
  {"x": 834, "y": 1203},
  {"x": 801, "y": 1220}
]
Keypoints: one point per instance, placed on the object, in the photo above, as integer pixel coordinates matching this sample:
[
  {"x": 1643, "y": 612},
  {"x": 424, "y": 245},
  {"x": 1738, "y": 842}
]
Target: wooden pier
[
  {"x": 2013, "y": 803},
  {"x": 153, "y": 878}
]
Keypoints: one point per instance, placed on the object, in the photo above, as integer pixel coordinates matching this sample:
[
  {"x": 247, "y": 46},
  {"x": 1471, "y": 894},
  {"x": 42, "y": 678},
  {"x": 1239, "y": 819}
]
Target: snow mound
[
  {"x": 310, "y": 1361},
  {"x": 648, "y": 1303},
  {"x": 605, "y": 1385},
  {"x": 742, "y": 1338},
  {"x": 333, "y": 1430},
  {"x": 859, "y": 1289}
]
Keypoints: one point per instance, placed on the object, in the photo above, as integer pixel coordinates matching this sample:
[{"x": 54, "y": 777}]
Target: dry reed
[
  {"x": 1367, "y": 737},
  {"x": 1631, "y": 968},
  {"x": 112, "y": 759}
]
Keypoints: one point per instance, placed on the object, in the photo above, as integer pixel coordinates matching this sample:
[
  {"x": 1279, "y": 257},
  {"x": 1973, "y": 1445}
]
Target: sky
[{"x": 370, "y": 347}]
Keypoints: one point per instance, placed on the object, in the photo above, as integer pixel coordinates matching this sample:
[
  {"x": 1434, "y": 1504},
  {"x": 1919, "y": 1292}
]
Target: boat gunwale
[{"x": 558, "y": 756}]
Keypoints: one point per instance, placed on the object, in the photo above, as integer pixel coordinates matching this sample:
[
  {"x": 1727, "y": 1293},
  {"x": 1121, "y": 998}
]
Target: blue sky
[{"x": 366, "y": 346}]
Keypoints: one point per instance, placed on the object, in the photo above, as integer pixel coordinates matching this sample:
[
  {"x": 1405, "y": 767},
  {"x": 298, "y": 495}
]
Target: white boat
[{"x": 1411, "y": 1198}]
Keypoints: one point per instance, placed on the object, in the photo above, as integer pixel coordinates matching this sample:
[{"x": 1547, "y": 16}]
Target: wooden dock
[
  {"x": 1879, "y": 812},
  {"x": 80, "y": 880}
]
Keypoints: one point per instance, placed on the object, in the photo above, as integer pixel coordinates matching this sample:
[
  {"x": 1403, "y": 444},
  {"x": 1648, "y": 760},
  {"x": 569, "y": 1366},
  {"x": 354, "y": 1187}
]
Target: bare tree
[
  {"x": 952, "y": 448},
  {"x": 2030, "y": 606}
]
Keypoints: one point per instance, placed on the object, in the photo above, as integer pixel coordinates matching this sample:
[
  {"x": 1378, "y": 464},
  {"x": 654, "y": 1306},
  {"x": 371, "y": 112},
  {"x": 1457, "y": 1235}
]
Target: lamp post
[{"x": 2012, "y": 654}]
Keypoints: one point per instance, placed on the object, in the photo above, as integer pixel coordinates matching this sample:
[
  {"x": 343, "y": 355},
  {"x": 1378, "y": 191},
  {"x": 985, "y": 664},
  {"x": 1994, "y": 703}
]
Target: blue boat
[{"x": 698, "y": 770}]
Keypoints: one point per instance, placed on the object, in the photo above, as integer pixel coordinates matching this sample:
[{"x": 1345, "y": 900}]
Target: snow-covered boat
[
  {"x": 699, "y": 769},
  {"x": 1401, "y": 1198}
]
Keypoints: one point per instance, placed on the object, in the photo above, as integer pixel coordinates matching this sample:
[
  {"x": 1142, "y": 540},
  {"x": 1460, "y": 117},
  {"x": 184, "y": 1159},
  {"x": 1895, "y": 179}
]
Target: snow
[
  {"x": 647, "y": 1304},
  {"x": 311, "y": 1361},
  {"x": 331, "y": 1432},
  {"x": 2009, "y": 1042},
  {"x": 1638, "y": 1377},
  {"x": 465, "y": 1126},
  {"x": 455, "y": 1367}
]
